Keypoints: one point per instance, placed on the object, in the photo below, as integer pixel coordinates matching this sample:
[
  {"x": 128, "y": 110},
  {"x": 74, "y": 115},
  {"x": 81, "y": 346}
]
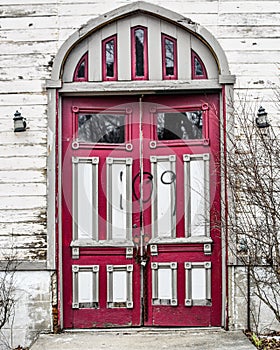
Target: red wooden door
[
  {"x": 183, "y": 274},
  {"x": 140, "y": 214}
]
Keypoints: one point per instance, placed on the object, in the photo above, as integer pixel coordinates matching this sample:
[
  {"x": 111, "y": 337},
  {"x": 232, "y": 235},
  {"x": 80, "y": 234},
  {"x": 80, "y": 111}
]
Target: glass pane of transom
[
  {"x": 169, "y": 57},
  {"x": 139, "y": 52},
  {"x": 81, "y": 70},
  {"x": 110, "y": 57},
  {"x": 198, "y": 68}
]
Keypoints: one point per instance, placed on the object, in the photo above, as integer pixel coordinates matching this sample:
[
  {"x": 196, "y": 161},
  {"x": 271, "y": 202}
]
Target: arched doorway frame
[{"x": 56, "y": 89}]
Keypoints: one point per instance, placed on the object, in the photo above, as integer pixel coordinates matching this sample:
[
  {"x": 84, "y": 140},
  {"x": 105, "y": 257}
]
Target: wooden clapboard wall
[{"x": 31, "y": 31}]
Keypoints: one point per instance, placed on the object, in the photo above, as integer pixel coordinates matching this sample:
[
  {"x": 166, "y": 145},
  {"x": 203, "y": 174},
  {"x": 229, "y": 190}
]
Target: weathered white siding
[{"x": 31, "y": 31}]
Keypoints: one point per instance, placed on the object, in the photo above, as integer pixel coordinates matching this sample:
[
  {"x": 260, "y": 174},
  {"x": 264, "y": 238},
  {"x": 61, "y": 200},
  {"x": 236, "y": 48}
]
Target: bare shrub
[{"x": 252, "y": 169}]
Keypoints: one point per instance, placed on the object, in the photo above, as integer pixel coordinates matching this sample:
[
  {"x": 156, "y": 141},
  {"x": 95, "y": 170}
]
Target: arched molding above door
[{"x": 202, "y": 42}]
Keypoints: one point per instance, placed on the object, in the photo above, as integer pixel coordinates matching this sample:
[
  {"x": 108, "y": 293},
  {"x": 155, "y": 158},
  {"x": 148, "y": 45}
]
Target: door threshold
[{"x": 143, "y": 329}]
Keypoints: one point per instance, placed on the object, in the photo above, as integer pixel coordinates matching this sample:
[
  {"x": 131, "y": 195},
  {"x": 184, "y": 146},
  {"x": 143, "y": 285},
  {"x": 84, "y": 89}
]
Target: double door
[{"x": 141, "y": 243}]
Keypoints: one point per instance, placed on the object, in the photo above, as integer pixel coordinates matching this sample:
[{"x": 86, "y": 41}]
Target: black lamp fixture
[
  {"x": 19, "y": 122},
  {"x": 261, "y": 120}
]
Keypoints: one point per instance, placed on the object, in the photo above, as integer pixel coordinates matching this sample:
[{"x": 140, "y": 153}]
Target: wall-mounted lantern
[
  {"x": 261, "y": 120},
  {"x": 19, "y": 122}
]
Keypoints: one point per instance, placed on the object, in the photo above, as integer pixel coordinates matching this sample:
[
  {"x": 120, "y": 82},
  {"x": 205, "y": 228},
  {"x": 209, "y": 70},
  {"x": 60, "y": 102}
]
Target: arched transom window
[{"x": 140, "y": 47}]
